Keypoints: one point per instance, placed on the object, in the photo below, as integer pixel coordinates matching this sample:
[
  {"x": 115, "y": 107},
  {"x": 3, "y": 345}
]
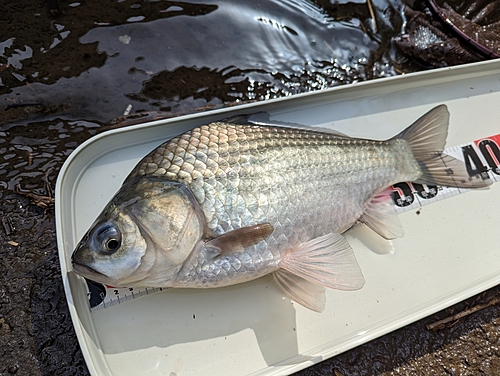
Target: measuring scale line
[
  {"x": 116, "y": 296},
  {"x": 481, "y": 156}
]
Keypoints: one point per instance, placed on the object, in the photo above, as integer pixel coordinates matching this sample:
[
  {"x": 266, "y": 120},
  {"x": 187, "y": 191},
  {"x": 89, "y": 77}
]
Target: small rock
[
  {"x": 13, "y": 369},
  {"x": 125, "y": 39}
]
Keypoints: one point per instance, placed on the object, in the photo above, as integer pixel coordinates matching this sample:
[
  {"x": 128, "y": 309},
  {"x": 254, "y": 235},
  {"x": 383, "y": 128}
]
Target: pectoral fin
[
  {"x": 239, "y": 239},
  {"x": 328, "y": 261},
  {"x": 381, "y": 217}
]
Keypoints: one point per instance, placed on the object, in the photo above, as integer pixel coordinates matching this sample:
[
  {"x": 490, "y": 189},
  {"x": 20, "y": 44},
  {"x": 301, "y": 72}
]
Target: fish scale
[
  {"x": 226, "y": 203},
  {"x": 305, "y": 183},
  {"x": 273, "y": 161}
]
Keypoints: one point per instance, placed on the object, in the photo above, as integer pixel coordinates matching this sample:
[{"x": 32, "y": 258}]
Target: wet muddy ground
[{"x": 67, "y": 68}]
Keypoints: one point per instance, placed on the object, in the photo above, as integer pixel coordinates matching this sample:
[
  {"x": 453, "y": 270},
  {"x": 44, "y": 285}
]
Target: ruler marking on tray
[{"x": 481, "y": 157}]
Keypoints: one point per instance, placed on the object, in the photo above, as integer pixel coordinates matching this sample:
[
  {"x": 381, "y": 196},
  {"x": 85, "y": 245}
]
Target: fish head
[{"x": 143, "y": 236}]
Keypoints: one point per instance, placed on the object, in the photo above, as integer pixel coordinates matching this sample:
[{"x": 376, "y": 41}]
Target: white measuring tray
[{"x": 449, "y": 252}]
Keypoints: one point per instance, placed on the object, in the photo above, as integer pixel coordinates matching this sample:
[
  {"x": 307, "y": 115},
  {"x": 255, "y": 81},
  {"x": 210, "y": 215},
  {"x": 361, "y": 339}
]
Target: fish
[{"x": 232, "y": 201}]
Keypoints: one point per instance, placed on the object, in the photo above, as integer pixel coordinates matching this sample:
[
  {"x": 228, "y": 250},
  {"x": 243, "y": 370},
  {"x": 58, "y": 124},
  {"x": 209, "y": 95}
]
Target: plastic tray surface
[{"x": 449, "y": 251}]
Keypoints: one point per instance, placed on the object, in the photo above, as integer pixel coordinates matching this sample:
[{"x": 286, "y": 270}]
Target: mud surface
[{"x": 67, "y": 68}]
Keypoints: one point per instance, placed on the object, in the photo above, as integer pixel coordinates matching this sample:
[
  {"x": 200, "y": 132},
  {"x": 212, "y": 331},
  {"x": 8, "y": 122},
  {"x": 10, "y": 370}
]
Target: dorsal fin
[{"x": 262, "y": 118}]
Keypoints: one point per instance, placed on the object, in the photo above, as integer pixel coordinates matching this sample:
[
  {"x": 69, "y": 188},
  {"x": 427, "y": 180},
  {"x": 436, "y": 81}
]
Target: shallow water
[
  {"x": 65, "y": 73},
  {"x": 93, "y": 60}
]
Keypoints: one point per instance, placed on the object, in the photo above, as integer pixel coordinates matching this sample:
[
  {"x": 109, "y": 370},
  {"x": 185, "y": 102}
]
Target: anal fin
[{"x": 381, "y": 217}]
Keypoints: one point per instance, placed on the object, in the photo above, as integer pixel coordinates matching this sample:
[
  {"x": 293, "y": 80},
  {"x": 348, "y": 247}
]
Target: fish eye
[
  {"x": 108, "y": 238},
  {"x": 112, "y": 244}
]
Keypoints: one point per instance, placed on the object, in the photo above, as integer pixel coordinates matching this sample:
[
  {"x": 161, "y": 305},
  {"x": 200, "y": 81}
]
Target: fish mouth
[{"x": 86, "y": 271}]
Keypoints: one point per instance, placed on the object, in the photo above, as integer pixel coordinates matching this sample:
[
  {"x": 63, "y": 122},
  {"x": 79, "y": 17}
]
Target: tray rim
[{"x": 365, "y": 88}]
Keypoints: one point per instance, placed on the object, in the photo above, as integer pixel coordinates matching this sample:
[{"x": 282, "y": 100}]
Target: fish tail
[{"x": 427, "y": 138}]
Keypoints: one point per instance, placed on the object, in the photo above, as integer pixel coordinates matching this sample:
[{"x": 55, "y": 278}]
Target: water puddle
[{"x": 175, "y": 55}]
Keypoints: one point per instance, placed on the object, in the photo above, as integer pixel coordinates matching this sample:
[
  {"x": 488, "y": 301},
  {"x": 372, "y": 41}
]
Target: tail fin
[{"x": 427, "y": 137}]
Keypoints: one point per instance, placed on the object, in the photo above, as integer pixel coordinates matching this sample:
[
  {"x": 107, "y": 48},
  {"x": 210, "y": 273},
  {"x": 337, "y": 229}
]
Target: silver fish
[{"x": 228, "y": 203}]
